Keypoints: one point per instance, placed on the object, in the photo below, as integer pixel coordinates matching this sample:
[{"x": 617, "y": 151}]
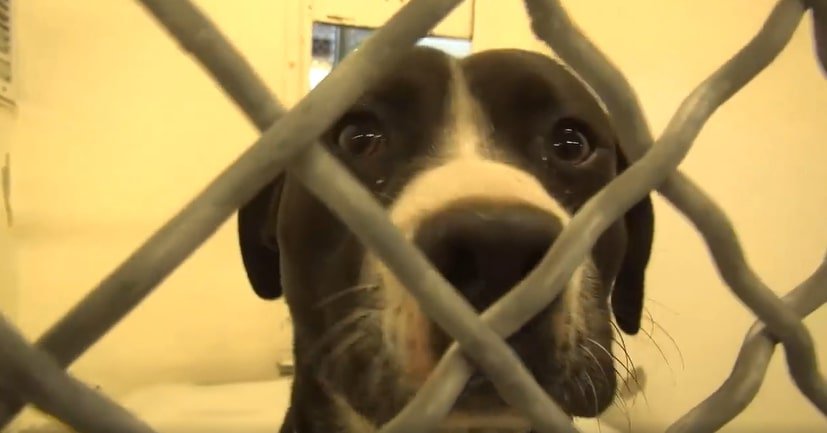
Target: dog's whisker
[
  {"x": 620, "y": 403},
  {"x": 343, "y": 345},
  {"x": 658, "y": 348},
  {"x": 596, "y": 403},
  {"x": 651, "y": 320},
  {"x": 479, "y": 216},
  {"x": 622, "y": 344},
  {"x": 674, "y": 343},
  {"x": 358, "y": 341},
  {"x": 596, "y": 362},
  {"x": 610, "y": 354},
  {"x": 349, "y": 291},
  {"x": 580, "y": 387},
  {"x": 639, "y": 389},
  {"x": 632, "y": 376},
  {"x": 338, "y": 327},
  {"x": 623, "y": 377},
  {"x": 630, "y": 373},
  {"x": 651, "y": 337},
  {"x": 662, "y": 305},
  {"x": 331, "y": 358}
]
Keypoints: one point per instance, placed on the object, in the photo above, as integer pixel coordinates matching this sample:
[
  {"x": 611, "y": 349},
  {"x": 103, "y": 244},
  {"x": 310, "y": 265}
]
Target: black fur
[{"x": 293, "y": 246}]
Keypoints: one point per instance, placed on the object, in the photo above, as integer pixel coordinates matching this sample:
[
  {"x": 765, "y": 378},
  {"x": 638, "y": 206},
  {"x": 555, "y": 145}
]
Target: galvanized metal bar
[
  {"x": 289, "y": 141},
  {"x": 340, "y": 176},
  {"x": 198, "y": 35},
  {"x": 552, "y": 25},
  {"x": 722, "y": 242},
  {"x": 368, "y": 220},
  {"x": 680, "y": 132},
  {"x": 151, "y": 263},
  {"x": 36, "y": 377},
  {"x": 742, "y": 385}
]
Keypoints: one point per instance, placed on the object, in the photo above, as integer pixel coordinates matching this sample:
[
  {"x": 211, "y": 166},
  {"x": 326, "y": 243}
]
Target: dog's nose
[{"x": 484, "y": 251}]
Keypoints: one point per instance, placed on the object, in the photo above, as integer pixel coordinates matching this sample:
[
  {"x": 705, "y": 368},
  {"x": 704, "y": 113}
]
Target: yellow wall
[
  {"x": 761, "y": 157},
  {"x": 116, "y": 129},
  {"x": 8, "y": 250}
]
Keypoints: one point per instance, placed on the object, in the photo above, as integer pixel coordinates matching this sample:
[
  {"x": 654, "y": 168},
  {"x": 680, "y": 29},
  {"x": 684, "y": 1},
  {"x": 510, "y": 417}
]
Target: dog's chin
[
  {"x": 568, "y": 354},
  {"x": 580, "y": 396},
  {"x": 577, "y": 385},
  {"x": 503, "y": 419},
  {"x": 480, "y": 406},
  {"x": 578, "y": 373}
]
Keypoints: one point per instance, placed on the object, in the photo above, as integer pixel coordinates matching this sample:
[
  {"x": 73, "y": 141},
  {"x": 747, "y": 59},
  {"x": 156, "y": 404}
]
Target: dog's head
[{"x": 481, "y": 162}]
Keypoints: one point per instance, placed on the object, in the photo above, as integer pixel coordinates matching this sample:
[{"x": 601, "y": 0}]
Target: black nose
[{"x": 485, "y": 250}]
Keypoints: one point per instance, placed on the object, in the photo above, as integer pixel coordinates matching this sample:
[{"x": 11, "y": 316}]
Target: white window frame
[
  {"x": 374, "y": 13},
  {"x": 357, "y": 13}
]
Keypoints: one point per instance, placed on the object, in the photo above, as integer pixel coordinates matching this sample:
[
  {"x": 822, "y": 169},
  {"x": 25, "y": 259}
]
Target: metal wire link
[
  {"x": 742, "y": 385},
  {"x": 287, "y": 141},
  {"x": 154, "y": 260},
  {"x": 37, "y": 378},
  {"x": 551, "y": 23}
]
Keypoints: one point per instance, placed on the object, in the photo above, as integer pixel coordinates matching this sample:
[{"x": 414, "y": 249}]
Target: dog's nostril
[
  {"x": 485, "y": 253},
  {"x": 532, "y": 261},
  {"x": 461, "y": 267}
]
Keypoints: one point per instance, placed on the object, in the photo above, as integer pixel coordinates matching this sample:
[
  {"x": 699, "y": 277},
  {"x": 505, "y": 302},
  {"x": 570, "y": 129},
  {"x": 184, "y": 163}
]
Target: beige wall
[
  {"x": 8, "y": 250},
  {"x": 116, "y": 129},
  {"x": 761, "y": 157}
]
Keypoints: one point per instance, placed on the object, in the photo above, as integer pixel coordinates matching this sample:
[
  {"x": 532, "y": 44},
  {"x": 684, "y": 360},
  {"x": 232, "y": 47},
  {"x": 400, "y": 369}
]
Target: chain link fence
[{"x": 35, "y": 373}]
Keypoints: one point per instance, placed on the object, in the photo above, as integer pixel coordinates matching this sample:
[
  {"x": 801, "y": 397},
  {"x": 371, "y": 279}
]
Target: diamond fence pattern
[{"x": 35, "y": 373}]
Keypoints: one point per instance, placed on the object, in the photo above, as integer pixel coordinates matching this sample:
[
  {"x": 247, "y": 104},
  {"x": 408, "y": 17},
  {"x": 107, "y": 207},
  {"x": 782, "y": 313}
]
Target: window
[{"x": 332, "y": 42}]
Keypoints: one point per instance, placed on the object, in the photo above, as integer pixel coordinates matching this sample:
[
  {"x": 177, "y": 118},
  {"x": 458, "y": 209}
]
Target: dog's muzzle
[{"x": 484, "y": 250}]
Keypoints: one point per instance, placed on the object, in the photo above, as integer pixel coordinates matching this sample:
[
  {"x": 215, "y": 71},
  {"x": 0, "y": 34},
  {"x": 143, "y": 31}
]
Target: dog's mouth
[
  {"x": 572, "y": 365},
  {"x": 484, "y": 252},
  {"x": 533, "y": 344}
]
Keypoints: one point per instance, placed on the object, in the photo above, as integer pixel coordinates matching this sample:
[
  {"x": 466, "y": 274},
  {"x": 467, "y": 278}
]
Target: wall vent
[{"x": 7, "y": 40}]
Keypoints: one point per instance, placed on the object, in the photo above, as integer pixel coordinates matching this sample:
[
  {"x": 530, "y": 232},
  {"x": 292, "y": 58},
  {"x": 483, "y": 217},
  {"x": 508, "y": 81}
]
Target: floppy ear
[
  {"x": 256, "y": 237},
  {"x": 627, "y": 295}
]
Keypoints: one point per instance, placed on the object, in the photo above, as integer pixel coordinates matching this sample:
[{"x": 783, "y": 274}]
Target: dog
[{"x": 480, "y": 162}]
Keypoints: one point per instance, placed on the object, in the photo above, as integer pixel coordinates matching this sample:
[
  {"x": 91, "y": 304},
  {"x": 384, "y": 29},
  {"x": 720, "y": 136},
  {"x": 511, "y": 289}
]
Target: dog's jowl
[{"x": 481, "y": 163}]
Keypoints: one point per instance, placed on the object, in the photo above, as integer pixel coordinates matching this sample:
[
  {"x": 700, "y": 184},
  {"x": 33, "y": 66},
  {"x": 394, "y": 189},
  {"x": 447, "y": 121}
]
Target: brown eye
[
  {"x": 363, "y": 137},
  {"x": 568, "y": 142}
]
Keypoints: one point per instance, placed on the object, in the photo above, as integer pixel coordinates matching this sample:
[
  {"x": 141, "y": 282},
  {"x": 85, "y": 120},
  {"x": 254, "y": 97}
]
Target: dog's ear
[
  {"x": 256, "y": 237},
  {"x": 627, "y": 295}
]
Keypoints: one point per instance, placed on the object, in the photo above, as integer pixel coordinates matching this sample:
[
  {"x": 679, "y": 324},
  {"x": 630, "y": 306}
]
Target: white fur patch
[
  {"x": 463, "y": 170},
  {"x": 464, "y": 137},
  {"x": 469, "y": 178}
]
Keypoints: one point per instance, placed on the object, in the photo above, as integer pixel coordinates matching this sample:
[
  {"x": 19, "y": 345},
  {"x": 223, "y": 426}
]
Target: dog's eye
[
  {"x": 568, "y": 142},
  {"x": 362, "y": 137}
]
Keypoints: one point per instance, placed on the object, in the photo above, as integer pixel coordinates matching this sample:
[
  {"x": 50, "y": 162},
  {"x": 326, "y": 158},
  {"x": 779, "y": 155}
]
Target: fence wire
[{"x": 33, "y": 374}]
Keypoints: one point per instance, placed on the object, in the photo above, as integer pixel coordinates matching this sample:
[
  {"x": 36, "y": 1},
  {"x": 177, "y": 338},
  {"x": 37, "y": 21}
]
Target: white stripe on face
[{"x": 463, "y": 170}]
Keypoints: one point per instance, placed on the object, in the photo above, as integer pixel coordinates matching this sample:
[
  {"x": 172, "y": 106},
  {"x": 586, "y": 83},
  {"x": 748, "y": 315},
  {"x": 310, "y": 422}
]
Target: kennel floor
[{"x": 253, "y": 407}]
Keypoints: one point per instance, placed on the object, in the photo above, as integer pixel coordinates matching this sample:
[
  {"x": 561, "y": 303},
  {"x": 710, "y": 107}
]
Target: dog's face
[{"x": 481, "y": 162}]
